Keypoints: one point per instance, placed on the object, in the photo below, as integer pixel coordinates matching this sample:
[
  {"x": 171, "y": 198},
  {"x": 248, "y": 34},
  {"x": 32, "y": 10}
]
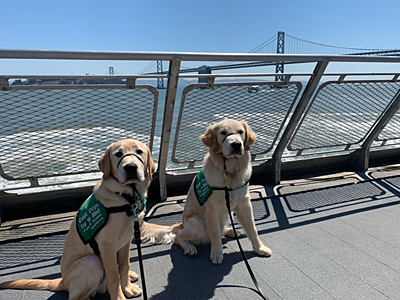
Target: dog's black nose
[
  {"x": 130, "y": 169},
  {"x": 236, "y": 145}
]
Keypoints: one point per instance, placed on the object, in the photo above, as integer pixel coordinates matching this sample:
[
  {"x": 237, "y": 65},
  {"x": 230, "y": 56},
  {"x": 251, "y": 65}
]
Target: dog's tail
[
  {"x": 158, "y": 234},
  {"x": 54, "y": 285}
]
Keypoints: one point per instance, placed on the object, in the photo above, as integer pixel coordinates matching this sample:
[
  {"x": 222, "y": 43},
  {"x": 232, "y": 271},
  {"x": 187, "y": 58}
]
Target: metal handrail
[{"x": 187, "y": 56}]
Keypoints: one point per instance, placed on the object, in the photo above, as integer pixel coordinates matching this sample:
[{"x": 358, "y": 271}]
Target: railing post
[
  {"x": 295, "y": 119},
  {"x": 4, "y": 84},
  {"x": 361, "y": 157},
  {"x": 170, "y": 98},
  {"x": 204, "y": 70}
]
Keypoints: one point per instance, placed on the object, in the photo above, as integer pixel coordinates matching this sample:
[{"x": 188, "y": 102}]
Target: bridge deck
[{"x": 332, "y": 238}]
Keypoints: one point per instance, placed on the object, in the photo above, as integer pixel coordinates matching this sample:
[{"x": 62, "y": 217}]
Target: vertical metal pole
[
  {"x": 361, "y": 158},
  {"x": 4, "y": 85},
  {"x": 280, "y": 49},
  {"x": 295, "y": 119},
  {"x": 204, "y": 70},
  {"x": 170, "y": 98},
  {"x": 160, "y": 81}
]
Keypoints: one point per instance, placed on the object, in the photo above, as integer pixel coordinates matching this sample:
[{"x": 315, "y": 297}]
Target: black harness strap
[
  {"x": 117, "y": 209},
  {"x": 228, "y": 206},
  {"x": 110, "y": 210},
  {"x": 95, "y": 247},
  {"x": 230, "y": 189}
]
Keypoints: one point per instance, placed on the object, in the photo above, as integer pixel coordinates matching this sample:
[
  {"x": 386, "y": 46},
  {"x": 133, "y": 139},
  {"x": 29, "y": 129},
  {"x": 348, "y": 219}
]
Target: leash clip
[{"x": 134, "y": 209}]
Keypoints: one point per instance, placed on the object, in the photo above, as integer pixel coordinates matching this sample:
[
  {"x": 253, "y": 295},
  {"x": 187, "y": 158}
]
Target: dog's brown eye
[
  {"x": 140, "y": 152},
  {"x": 118, "y": 154},
  {"x": 223, "y": 132},
  {"x": 240, "y": 131}
]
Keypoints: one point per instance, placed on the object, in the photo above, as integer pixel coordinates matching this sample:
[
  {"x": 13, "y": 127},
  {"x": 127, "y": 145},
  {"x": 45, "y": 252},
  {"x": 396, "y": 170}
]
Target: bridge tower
[
  {"x": 160, "y": 81},
  {"x": 111, "y": 71},
  {"x": 280, "y": 49}
]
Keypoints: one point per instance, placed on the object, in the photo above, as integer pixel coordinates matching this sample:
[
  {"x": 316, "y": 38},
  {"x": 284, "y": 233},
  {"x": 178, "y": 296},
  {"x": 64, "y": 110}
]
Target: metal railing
[{"x": 62, "y": 129}]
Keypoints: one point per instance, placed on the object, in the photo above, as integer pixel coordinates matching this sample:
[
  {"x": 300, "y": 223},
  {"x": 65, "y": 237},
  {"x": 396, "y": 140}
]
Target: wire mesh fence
[
  {"x": 51, "y": 132},
  {"x": 63, "y": 130},
  {"x": 392, "y": 129},
  {"x": 264, "y": 106},
  {"x": 342, "y": 114}
]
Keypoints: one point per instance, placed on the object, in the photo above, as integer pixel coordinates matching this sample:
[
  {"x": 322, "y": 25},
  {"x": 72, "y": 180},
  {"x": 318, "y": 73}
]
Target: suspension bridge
[
  {"x": 281, "y": 43},
  {"x": 285, "y": 43}
]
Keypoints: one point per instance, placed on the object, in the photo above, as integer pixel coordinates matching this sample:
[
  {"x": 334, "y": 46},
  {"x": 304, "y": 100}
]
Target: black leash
[
  {"x": 136, "y": 226},
  {"x": 228, "y": 206},
  {"x": 139, "y": 250}
]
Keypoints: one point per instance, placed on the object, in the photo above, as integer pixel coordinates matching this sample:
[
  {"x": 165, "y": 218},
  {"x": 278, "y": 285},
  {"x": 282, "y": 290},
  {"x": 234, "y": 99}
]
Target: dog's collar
[
  {"x": 137, "y": 203},
  {"x": 132, "y": 199},
  {"x": 130, "y": 154},
  {"x": 226, "y": 177}
]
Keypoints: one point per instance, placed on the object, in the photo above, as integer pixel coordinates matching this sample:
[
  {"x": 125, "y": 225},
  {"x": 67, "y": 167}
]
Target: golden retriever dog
[
  {"x": 228, "y": 161},
  {"x": 127, "y": 168}
]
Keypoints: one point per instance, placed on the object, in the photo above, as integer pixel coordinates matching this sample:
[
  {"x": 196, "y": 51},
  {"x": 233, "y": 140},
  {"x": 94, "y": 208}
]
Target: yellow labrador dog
[
  {"x": 127, "y": 168},
  {"x": 205, "y": 214}
]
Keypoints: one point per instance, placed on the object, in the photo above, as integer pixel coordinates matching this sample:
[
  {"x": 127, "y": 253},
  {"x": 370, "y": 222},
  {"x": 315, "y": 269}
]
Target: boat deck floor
[{"x": 332, "y": 237}]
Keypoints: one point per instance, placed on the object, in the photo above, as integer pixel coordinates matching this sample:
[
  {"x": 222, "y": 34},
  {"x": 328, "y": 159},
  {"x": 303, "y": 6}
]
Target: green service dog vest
[
  {"x": 93, "y": 216},
  {"x": 203, "y": 190}
]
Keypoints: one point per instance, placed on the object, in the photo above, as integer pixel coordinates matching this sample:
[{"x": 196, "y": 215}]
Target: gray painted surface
[{"x": 338, "y": 242}]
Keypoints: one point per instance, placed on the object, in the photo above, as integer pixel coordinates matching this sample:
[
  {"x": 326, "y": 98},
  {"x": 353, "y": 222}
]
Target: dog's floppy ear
[
  {"x": 251, "y": 137},
  {"x": 105, "y": 164},
  {"x": 151, "y": 166},
  {"x": 210, "y": 139}
]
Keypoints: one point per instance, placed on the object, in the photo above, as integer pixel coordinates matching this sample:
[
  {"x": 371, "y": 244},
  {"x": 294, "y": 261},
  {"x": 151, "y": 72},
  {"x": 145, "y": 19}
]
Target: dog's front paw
[
  {"x": 132, "y": 290},
  {"x": 133, "y": 276},
  {"x": 216, "y": 257},
  {"x": 263, "y": 250},
  {"x": 230, "y": 233}
]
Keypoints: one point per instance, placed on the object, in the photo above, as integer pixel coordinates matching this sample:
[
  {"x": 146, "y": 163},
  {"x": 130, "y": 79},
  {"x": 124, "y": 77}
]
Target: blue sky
[{"x": 192, "y": 26}]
